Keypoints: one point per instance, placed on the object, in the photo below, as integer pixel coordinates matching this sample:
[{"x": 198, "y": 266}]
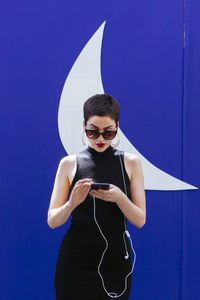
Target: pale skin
[{"x": 61, "y": 207}]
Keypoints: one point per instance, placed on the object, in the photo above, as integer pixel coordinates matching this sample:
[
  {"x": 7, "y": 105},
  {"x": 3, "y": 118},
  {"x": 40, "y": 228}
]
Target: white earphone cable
[{"x": 113, "y": 294}]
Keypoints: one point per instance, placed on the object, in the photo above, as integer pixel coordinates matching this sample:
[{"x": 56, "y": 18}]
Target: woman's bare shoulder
[
  {"x": 67, "y": 162},
  {"x": 68, "y": 166},
  {"x": 130, "y": 160},
  {"x": 68, "y": 158},
  {"x": 131, "y": 156}
]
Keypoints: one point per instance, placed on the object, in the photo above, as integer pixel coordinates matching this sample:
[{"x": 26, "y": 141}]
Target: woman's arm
[
  {"x": 59, "y": 208},
  {"x": 135, "y": 210}
]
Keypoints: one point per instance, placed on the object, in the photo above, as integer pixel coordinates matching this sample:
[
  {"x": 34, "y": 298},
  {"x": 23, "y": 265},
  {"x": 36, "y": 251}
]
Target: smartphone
[{"x": 99, "y": 185}]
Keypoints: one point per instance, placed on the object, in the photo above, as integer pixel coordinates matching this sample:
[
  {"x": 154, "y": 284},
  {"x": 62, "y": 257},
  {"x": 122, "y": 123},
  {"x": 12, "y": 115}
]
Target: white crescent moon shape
[{"x": 83, "y": 81}]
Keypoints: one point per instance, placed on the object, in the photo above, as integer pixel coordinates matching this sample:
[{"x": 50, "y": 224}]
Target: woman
[{"x": 94, "y": 260}]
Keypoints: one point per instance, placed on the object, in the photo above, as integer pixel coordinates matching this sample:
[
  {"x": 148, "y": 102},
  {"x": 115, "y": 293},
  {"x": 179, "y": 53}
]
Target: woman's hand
[
  {"x": 80, "y": 191},
  {"x": 114, "y": 194}
]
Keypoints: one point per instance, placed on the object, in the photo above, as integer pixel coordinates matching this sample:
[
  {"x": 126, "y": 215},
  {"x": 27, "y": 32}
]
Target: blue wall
[{"x": 156, "y": 81}]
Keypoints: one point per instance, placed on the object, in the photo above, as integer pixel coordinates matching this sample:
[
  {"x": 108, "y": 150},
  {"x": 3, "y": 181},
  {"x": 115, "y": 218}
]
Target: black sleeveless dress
[{"x": 76, "y": 274}]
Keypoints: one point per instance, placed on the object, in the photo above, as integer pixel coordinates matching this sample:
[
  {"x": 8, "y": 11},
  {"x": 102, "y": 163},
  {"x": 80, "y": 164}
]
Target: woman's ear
[{"x": 117, "y": 124}]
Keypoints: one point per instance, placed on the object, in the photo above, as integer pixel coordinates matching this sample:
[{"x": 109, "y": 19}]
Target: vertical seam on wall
[{"x": 182, "y": 150}]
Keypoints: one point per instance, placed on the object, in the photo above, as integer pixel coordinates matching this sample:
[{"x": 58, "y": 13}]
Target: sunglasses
[{"x": 94, "y": 134}]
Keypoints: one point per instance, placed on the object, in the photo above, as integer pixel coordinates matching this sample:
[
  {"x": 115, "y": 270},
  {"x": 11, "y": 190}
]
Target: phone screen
[{"x": 96, "y": 186}]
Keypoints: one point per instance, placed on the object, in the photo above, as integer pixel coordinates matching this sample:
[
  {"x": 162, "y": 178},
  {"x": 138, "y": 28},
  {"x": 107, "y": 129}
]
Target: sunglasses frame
[{"x": 100, "y": 133}]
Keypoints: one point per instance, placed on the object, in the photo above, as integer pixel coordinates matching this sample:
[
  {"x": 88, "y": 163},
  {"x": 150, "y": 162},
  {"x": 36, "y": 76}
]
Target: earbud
[
  {"x": 128, "y": 235},
  {"x": 126, "y": 256}
]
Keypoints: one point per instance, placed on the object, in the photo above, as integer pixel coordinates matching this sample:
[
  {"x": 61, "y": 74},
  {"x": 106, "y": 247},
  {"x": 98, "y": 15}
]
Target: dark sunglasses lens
[
  {"x": 92, "y": 134},
  {"x": 109, "y": 135}
]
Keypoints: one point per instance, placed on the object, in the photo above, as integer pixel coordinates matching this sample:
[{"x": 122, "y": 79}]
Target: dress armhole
[
  {"x": 75, "y": 175},
  {"x": 126, "y": 174},
  {"x": 127, "y": 180}
]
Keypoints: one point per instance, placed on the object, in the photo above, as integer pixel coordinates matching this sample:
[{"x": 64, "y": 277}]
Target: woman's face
[{"x": 101, "y": 124}]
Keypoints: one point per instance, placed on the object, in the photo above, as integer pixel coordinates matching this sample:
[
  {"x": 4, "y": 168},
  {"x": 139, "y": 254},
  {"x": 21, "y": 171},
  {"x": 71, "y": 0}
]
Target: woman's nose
[{"x": 101, "y": 139}]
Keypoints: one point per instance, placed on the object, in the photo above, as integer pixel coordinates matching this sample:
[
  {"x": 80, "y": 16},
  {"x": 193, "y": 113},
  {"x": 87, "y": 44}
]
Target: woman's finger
[
  {"x": 83, "y": 185},
  {"x": 86, "y": 186},
  {"x": 84, "y": 180}
]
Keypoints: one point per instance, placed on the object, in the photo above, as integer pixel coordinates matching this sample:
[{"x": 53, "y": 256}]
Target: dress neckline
[{"x": 108, "y": 152}]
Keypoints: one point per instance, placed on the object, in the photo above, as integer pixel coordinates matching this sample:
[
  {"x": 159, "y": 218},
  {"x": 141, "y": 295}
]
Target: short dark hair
[{"x": 101, "y": 105}]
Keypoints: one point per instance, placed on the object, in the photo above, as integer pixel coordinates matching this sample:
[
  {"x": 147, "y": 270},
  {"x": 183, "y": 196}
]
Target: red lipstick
[{"x": 100, "y": 145}]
